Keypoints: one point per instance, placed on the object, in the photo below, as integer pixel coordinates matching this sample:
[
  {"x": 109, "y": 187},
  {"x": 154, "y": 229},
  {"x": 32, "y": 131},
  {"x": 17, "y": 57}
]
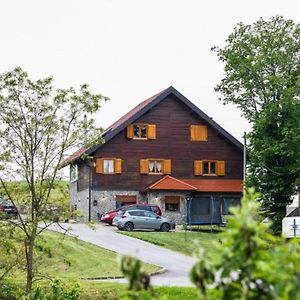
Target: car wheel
[
  {"x": 128, "y": 226},
  {"x": 120, "y": 228},
  {"x": 165, "y": 227}
]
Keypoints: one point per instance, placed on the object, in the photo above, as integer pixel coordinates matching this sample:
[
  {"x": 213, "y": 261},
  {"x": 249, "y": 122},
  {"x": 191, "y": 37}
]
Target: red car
[
  {"x": 109, "y": 216},
  {"x": 7, "y": 209}
]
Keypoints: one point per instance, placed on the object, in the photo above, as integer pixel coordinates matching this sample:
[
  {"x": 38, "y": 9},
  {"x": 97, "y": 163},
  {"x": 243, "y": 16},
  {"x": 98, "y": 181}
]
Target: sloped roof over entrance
[
  {"x": 171, "y": 183},
  {"x": 200, "y": 185},
  {"x": 148, "y": 104},
  {"x": 205, "y": 185}
]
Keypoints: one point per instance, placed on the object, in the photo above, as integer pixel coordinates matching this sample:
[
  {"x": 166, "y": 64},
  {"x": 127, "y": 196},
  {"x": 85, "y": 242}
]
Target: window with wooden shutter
[
  {"x": 130, "y": 131},
  {"x": 151, "y": 134},
  {"x": 172, "y": 203},
  {"x": 108, "y": 165},
  {"x": 220, "y": 168},
  {"x": 198, "y": 167},
  {"x": 144, "y": 166},
  {"x": 198, "y": 133},
  {"x": 167, "y": 166},
  {"x": 99, "y": 165},
  {"x": 118, "y": 166}
]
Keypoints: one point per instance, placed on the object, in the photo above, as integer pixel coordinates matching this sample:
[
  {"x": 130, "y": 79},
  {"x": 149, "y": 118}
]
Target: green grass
[
  {"x": 68, "y": 257},
  {"x": 114, "y": 291},
  {"x": 184, "y": 242}
]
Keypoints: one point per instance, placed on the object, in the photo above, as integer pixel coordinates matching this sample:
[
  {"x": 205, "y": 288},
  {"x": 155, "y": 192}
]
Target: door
[{"x": 152, "y": 221}]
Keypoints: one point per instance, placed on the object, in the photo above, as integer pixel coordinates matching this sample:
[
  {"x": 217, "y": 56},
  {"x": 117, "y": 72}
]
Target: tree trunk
[{"x": 29, "y": 244}]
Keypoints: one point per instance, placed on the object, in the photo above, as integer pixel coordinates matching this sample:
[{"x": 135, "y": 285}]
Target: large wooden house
[{"x": 164, "y": 151}]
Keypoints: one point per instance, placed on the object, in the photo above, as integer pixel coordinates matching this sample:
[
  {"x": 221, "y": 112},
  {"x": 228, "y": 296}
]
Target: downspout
[{"x": 244, "y": 163}]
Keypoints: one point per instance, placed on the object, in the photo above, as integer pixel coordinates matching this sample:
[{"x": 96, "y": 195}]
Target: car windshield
[{"x": 5, "y": 202}]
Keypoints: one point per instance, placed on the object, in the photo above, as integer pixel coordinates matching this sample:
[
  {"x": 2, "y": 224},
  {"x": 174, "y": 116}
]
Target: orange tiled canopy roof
[{"x": 200, "y": 185}]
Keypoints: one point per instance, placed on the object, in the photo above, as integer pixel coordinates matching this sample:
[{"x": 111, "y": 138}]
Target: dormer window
[{"x": 140, "y": 131}]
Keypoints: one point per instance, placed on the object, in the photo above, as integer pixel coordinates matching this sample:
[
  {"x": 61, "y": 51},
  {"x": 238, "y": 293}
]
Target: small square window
[
  {"x": 108, "y": 165},
  {"x": 140, "y": 131},
  {"x": 209, "y": 168},
  {"x": 155, "y": 166},
  {"x": 172, "y": 207}
]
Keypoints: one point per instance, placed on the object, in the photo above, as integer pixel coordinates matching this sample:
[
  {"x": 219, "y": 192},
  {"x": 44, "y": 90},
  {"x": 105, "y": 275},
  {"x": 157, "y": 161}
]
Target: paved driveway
[{"x": 177, "y": 265}]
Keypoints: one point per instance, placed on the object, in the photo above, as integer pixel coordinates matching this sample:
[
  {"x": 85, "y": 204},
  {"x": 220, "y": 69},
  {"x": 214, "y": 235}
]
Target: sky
[{"x": 129, "y": 50}]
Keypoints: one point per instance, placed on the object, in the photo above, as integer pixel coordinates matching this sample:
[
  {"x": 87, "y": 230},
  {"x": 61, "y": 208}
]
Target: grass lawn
[
  {"x": 68, "y": 257},
  {"x": 184, "y": 242},
  {"x": 113, "y": 291}
]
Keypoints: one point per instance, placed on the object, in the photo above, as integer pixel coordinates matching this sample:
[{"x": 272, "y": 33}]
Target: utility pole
[{"x": 90, "y": 172}]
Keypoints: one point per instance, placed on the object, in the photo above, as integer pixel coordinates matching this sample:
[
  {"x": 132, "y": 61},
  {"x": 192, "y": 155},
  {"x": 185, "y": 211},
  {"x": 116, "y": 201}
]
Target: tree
[
  {"x": 38, "y": 124},
  {"x": 275, "y": 157},
  {"x": 262, "y": 77}
]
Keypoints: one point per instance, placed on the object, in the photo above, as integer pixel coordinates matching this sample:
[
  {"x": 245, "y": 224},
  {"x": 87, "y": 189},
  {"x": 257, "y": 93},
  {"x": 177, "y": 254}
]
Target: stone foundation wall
[
  {"x": 104, "y": 201},
  {"x": 178, "y": 217}
]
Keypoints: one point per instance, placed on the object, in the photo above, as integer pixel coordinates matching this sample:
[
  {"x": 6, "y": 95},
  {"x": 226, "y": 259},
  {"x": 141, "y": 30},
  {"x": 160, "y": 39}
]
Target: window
[
  {"x": 209, "y": 167},
  {"x": 122, "y": 200},
  {"x": 137, "y": 213},
  {"x": 172, "y": 203},
  {"x": 141, "y": 131},
  {"x": 73, "y": 173},
  {"x": 149, "y": 214},
  {"x": 108, "y": 165},
  {"x": 155, "y": 166}
]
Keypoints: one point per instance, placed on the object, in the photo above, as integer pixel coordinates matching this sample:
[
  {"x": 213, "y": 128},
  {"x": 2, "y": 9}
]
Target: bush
[{"x": 251, "y": 263}]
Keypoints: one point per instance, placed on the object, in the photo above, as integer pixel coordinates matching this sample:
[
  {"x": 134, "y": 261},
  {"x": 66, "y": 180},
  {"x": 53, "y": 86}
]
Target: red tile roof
[
  {"x": 132, "y": 112},
  {"x": 200, "y": 185},
  {"x": 171, "y": 183},
  {"x": 74, "y": 156},
  {"x": 220, "y": 185}
]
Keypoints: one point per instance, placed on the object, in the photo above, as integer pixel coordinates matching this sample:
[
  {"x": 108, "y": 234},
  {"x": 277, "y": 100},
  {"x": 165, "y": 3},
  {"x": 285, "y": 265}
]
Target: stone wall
[
  {"x": 104, "y": 201},
  {"x": 159, "y": 199}
]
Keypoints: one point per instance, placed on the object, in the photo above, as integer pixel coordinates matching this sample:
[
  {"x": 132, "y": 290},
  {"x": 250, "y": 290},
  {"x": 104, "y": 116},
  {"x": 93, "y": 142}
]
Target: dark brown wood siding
[
  {"x": 83, "y": 176},
  {"x": 172, "y": 119}
]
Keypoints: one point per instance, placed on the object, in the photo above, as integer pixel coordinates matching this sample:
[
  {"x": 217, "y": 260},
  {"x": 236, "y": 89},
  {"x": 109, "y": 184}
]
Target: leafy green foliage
[
  {"x": 131, "y": 269},
  {"x": 262, "y": 77},
  {"x": 274, "y": 165},
  {"x": 58, "y": 291},
  {"x": 252, "y": 263},
  {"x": 38, "y": 125}
]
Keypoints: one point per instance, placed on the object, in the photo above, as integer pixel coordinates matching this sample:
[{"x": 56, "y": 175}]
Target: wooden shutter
[
  {"x": 144, "y": 169},
  {"x": 202, "y": 133},
  {"x": 151, "y": 132},
  {"x": 130, "y": 131},
  {"x": 167, "y": 166},
  {"x": 99, "y": 165},
  {"x": 198, "y": 167},
  {"x": 118, "y": 165},
  {"x": 220, "y": 168},
  {"x": 198, "y": 133}
]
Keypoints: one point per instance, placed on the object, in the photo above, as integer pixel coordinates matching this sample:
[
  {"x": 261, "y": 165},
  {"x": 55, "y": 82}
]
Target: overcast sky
[{"x": 129, "y": 50}]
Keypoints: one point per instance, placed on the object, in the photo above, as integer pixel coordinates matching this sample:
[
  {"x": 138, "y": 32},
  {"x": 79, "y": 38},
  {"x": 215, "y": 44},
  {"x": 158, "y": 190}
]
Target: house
[{"x": 164, "y": 151}]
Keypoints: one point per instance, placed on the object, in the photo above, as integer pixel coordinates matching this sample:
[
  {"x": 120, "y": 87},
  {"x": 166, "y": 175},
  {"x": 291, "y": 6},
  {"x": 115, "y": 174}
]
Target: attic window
[{"x": 139, "y": 131}]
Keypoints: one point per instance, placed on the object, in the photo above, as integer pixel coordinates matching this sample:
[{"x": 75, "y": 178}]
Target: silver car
[{"x": 143, "y": 219}]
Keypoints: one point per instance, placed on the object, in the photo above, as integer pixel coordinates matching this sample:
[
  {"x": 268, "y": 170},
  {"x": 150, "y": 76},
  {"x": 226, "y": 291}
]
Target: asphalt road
[{"x": 177, "y": 265}]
